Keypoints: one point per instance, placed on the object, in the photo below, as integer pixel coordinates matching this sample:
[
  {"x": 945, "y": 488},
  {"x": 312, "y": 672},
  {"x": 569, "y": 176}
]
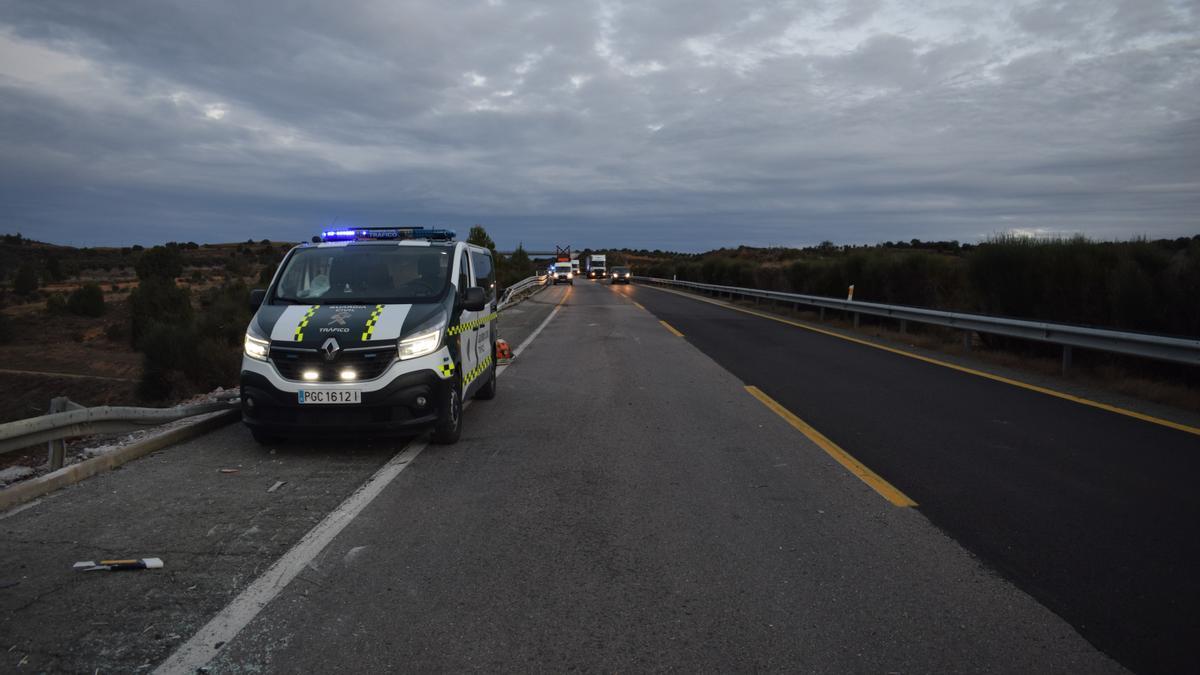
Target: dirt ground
[{"x": 66, "y": 355}]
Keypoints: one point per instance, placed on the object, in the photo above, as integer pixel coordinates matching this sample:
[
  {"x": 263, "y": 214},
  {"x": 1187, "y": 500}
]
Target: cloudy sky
[{"x": 679, "y": 124}]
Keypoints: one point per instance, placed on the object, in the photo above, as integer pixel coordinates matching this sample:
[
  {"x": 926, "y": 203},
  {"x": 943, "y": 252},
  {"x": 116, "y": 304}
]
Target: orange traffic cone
[{"x": 503, "y": 352}]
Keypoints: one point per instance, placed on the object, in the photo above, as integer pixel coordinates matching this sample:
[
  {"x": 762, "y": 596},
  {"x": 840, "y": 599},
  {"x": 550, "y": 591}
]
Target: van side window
[
  {"x": 464, "y": 274},
  {"x": 485, "y": 273}
]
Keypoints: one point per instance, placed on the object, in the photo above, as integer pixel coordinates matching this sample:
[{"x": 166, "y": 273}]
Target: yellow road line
[
  {"x": 638, "y": 305},
  {"x": 953, "y": 366},
  {"x": 877, "y": 483},
  {"x": 670, "y": 328}
]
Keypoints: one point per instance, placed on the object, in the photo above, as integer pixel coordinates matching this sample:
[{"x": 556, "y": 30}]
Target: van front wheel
[{"x": 448, "y": 427}]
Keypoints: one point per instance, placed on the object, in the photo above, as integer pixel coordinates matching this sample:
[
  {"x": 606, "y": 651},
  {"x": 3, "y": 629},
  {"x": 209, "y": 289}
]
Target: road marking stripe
[
  {"x": 230, "y": 621},
  {"x": 225, "y": 626},
  {"x": 670, "y": 328},
  {"x": 953, "y": 366},
  {"x": 638, "y": 305},
  {"x": 537, "y": 331},
  {"x": 877, "y": 483}
]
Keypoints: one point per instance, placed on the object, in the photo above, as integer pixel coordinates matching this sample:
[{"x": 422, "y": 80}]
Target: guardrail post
[
  {"x": 1066, "y": 364},
  {"x": 903, "y": 327},
  {"x": 966, "y": 340},
  {"x": 57, "y": 448},
  {"x": 856, "y": 319},
  {"x": 821, "y": 313}
]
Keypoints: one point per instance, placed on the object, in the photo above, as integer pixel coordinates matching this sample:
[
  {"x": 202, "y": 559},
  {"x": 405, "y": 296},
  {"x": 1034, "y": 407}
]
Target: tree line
[{"x": 1139, "y": 285}]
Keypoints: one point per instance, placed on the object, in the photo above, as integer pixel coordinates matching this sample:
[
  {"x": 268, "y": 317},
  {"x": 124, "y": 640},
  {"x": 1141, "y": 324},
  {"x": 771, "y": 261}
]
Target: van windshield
[{"x": 365, "y": 274}]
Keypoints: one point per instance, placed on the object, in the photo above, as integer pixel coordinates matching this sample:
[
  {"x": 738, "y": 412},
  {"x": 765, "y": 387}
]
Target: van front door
[{"x": 467, "y": 320}]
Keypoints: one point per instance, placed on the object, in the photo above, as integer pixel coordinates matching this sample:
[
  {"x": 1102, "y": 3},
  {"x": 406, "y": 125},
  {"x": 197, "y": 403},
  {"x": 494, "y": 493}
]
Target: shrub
[
  {"x": 166, "y": 351},
  {"x": 116, "y": 332},
  {"x": 87, "y": 300},
  {"x": 157, "y": 301},
  {"x": 159, "y": 262},
  {"x": 214, "y": 364},
  {"x": 56, "y": 304},
  {"x": 224, "y": 314},
  {"x": 6, "y": 329},
  {"x": 236, "y": 267},
  {"x": 26, "y": 281}
]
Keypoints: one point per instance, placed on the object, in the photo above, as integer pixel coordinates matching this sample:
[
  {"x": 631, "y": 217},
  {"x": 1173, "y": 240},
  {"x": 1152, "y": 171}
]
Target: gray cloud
[{"x": 666, "y": 124}]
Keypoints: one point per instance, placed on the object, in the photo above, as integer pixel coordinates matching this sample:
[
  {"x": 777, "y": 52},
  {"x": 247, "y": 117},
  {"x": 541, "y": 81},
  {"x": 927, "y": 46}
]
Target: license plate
[{"x": 330, "y": 396}]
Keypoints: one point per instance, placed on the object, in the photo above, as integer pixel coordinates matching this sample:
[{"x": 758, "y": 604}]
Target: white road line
[
  {"x": 520, "y": 348},
  {"x": 203, "y": 646},
  {"x": 224, "y": 627}
]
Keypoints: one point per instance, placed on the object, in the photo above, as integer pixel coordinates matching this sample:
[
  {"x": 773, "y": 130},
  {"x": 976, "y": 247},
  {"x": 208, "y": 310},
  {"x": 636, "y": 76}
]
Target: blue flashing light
[{"x": 388, "y": 234}]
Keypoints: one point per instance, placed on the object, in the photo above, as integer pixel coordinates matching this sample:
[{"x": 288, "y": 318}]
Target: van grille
[{"x": 367, "y": 364}]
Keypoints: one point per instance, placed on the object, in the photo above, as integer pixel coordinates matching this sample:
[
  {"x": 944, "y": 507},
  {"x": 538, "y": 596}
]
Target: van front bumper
[{"x": 393, "y": 409}]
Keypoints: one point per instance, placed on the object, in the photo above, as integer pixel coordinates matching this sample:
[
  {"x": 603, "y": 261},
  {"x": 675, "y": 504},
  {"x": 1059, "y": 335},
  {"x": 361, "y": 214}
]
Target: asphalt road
[
  {"x": 1091, "y": 512},
  {"x": 623, "y": 504}
]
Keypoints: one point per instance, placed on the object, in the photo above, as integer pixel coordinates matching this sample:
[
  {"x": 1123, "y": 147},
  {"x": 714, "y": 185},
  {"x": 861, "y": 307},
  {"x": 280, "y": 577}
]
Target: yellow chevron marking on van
[
  {"x": 299, "y": 336},
  {"x": 374, "y": 319}
]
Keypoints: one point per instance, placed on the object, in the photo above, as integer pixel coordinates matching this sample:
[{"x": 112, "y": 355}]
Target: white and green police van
[{"x": 371, "y": 331}]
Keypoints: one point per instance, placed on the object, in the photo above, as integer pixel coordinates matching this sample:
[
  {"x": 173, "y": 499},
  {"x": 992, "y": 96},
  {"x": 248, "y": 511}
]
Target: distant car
[{"x": 619, "y": 275}]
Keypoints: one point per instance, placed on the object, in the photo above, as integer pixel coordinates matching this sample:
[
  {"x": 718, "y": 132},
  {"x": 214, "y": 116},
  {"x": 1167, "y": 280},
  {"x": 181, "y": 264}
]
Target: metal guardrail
[
  {"x": 513, "y": 293},
  {"x": 76, "y": 420},
  {"x": 1177, "y": 350}
]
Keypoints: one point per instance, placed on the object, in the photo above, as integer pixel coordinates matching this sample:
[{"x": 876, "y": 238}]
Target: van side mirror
[
  {"x": 474, "y": 299},
  {"x": 256, "y": 298}
]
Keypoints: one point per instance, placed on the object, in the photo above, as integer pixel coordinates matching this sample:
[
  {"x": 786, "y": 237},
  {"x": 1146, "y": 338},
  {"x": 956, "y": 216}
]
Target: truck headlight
[
  {"x": 256, "y": 348},
  {"x": 424, "y": 339}
]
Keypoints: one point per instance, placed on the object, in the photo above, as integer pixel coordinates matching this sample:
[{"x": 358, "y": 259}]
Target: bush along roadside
[
  {"x": 185, "y": 350},
  {"x": 1138, "y": 285}
]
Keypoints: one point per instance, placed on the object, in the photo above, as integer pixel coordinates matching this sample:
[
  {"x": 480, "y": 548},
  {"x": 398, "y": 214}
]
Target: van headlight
[
  {"x": 424, "y": 339},
  {"x": 256, "y": 347}
]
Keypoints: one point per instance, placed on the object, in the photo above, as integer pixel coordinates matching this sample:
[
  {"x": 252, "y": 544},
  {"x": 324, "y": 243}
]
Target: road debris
[
  {"x": 278, "y": 484},
  {"x": 115, "y": 565},
  {"x": 230, "y": 470}
]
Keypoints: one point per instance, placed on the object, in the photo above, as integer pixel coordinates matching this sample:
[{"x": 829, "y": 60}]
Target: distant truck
[
  {"x": 596, "y": 266},
  {"x": 575, "y": 267}
]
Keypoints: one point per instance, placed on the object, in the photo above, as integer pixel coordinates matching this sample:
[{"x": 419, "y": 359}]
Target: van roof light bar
[{"x": 387, "y": 234}]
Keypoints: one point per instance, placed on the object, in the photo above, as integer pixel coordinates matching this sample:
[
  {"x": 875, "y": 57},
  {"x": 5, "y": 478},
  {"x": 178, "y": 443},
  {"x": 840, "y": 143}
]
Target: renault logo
[{"x": 331, "y": 349}]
